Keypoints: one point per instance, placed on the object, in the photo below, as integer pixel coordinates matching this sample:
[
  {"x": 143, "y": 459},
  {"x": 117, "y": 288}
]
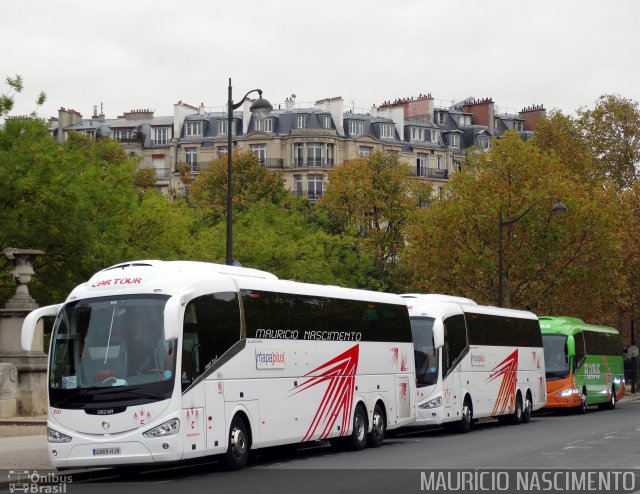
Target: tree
[
  {"x": 612, "y": 130},
  {"x": 251, "y": 182},
  {"x": 551, "y": 265},
  {"x": 561, "y": 134},
  {"x": 79, "y": 203},
  {"x": 369, "y": 200},
  {"x": 281, "y": 239},
  {"x": 7, "y": 100}
]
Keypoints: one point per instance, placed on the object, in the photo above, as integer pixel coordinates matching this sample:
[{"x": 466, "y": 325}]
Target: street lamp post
[
  {"x": 260, "y": 107},
  {"x": 558, "y": 208}
]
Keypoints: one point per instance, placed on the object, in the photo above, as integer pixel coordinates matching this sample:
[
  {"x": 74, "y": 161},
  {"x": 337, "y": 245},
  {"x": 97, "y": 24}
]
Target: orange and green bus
[{"x": 583, "y": 364}]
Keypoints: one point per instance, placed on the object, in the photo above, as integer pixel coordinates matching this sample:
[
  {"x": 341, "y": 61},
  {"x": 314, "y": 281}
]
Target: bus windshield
[
  {"x": 556, "y": 360},
  {"x": 426, "y": 356},
  {"x": 111, "y": 350}
]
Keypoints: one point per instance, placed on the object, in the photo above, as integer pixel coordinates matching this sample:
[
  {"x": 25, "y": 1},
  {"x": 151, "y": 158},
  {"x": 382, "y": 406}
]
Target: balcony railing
[
  {"x": 430, "y": 172},
  {"x": 272, "y": 162},
  {"x": 313, "y": 162},
  {"x": 198, "y": 166},
  {"x": 312, "y": 195},
  {"x": 163, "y": 173}
]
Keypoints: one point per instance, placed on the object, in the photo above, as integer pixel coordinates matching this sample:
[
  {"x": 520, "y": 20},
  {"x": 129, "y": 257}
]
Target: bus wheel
[
  {"x": 516, "y": 416},
  {"x": 582, "y": 408},
  {"x": 464, "y": 424},
  {"x": 238, "y": 448},
  {"x": 358, "y": 439},
  {"x": 526, "y": 411},
  {"x": 378, "y": 428},
  {"x": 611, "y": 404}
]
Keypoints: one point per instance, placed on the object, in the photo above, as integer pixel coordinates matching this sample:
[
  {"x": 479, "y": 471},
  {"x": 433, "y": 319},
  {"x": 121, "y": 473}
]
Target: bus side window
[
  {"x": 211, "y": 327},
  {"x": 455, "y": 341}
]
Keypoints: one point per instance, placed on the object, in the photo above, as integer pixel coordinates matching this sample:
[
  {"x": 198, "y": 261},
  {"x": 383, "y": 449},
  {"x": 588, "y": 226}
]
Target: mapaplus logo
[
  {"x": 38, "y": 483},
  {"x": 478, "y": 359},
  {"x": 267, "y": 358}
]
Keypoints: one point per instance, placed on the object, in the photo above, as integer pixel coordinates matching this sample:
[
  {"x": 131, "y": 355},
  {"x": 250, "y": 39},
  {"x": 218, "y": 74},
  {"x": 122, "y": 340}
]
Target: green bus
[{"x": 583, "y": 364}]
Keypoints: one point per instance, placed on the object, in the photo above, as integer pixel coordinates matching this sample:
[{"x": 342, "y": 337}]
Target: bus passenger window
[{"x": 211, "y": 327}]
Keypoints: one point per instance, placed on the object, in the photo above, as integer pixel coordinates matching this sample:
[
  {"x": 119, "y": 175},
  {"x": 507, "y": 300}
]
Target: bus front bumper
[
  {"x": 77, "y": 454},
  {"x": 567, "y": 398}
]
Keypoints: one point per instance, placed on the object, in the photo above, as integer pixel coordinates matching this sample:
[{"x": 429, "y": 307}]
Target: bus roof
[
  {"x": 570, "y": 325},
  {"x": 172, "y": 277},
  {"x": 435, "y": 305}
]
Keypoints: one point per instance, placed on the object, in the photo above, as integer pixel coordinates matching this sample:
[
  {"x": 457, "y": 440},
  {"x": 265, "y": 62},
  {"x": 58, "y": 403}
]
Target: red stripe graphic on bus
[
  {"x": 607, "y": 376},
  {"x": 339, "y": 374},
  {"x": 506, "y": 394},
  {"x": 394, "y": 358}
]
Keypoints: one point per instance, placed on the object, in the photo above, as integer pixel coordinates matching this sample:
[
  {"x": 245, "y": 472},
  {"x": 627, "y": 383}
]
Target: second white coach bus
[
  {"x": 154, "y": 361},
  {"x": 474, "y": 361}
]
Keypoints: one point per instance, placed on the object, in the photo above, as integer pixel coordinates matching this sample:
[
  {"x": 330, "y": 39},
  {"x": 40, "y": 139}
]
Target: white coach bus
[
  {"x": 474, "y": 361},
  {"x": 154, "y": 361}
]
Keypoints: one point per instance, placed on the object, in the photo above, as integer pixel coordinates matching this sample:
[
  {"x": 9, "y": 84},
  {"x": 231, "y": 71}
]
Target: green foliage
[
  {"x": 281, "y": 239},
  {"x": 454, "y": 246},
  {"x": 250, "y": 180},
  {"x": 612, "y": 130},
  {"x": 7, "y": 100},
  {"x": 369, "y": 200}
]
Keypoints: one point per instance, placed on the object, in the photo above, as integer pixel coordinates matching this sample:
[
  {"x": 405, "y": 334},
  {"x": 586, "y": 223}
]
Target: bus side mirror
[
  {"x": 31, "y": 322},
  {"x": 438, "y": 333},
  {"x": 173, "y": 318}
]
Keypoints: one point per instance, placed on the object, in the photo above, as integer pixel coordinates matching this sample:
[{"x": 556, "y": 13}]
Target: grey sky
[{"x": 137, "y": 54}]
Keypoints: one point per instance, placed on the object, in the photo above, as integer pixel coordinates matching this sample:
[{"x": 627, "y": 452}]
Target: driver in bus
[{"x": 147, "y": 351}]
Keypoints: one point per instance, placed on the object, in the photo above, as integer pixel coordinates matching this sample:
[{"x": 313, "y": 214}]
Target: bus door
[
  {"x": 455, "y": 343},
  {"x": 211, "y": 326}
]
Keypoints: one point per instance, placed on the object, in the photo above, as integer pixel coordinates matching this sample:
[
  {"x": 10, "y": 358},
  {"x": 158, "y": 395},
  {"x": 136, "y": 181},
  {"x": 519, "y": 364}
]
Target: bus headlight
[
  {"x": 435, "y": 403},
  {"x": 567, "y": 392},
  {"x": 168, "y": 428},
  {"x": 53, "y": 436}
]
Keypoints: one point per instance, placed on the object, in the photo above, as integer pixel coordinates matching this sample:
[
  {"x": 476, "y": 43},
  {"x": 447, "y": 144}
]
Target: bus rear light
[
  {"x": 168, "y": 428},
  {"x": 53, "y": 436}
]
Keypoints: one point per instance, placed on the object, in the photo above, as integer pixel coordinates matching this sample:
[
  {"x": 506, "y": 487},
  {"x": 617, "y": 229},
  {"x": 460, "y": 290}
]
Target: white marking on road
[
  {"x": 578, "y": 447},
  {"x": 617, "y": 437},
  {"x": 552, "y": 453}
]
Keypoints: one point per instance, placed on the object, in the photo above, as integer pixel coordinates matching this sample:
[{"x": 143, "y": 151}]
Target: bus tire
[
  {"x": 466, "y": 421},
  {"x": 582, "y": 407},
  {"x": 516, "y": 417},
  {"x": 527, "y": 409},
  {"x": 358, "y": 438},
  {"x": 378, "y": 427},
  {"x": 611, "y": 404},
  {"x": 238, "y": 446}
]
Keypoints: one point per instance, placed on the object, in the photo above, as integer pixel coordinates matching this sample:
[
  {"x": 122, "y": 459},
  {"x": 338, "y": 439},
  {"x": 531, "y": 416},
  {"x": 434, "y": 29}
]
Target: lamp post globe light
[
  {"x": 558, "y": 209},
  {"x": 260, "y": 108}
]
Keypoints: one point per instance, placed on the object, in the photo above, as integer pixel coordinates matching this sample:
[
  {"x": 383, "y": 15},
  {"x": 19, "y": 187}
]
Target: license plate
[{"x": 106, "y": 451}]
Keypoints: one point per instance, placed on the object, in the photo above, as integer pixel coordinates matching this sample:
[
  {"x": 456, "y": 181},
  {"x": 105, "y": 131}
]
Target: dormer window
[
  {"x": 326, "y": 121},
  {"x": 264, "y": 124},
  {"x": 356, "y": 127},
  {"x": 483, "y": 141},
  {"x": 160, "y": 136},
  {"x": 454, "y": 141},
  {"x": 193, "y": 129},
  {"x": 518, "y": 125},
  {"x": 301, "y": 121},
  {"x": 440, "y": 118},
  {"x": 417, "y": 134},
  {"x": 387, "y": 131},
  {"x": 223, "y": 127},
  {"x": 435, "y": 136}
]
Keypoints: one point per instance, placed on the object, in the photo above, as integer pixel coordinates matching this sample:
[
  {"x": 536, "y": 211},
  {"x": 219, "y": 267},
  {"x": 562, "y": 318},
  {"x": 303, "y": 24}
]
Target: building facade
[{"x": 304, "y": 142}]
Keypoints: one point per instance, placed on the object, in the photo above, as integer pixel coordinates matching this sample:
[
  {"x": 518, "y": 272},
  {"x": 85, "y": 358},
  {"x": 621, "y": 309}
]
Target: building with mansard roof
[{"x": 303, "y": 142}]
